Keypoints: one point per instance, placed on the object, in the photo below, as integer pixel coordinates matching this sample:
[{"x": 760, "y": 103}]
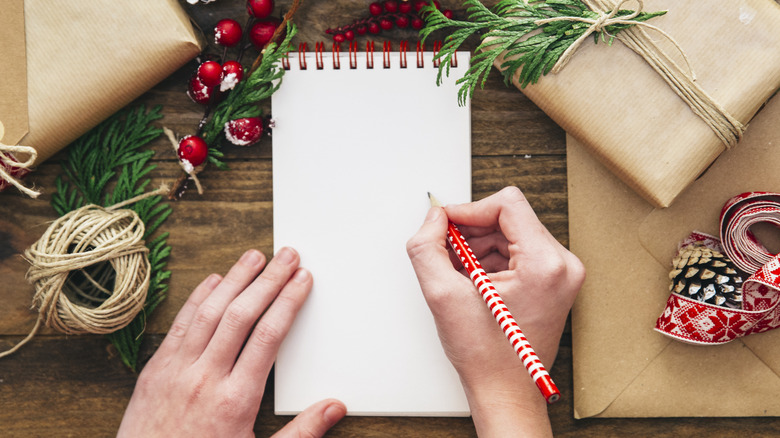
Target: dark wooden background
[{"x": 77, "y": 386}]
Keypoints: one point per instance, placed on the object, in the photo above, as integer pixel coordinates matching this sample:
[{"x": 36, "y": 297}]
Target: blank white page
[{"x": 354, "y": 153}]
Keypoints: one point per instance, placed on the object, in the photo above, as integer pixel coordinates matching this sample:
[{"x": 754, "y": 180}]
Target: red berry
[
  {"x": 361, "y": 30},
  {"x": 227, "y": 32},
  {"x": 210, "y": 73},
  {"x": 385, "y": 24},
  {"x": 448, "y": 13},
  {"x": 375, "y": 8},
  {"x": 373, "y": 27},
  {"x": 339, "y": 38},
  {"x": 436, "y": 4},
  {"x": 193, "y": 150},
  {"x": 405, "y": 7},
  {"x": 198, "y": 92},
  {"x": 259, "y": 8},
  {"x": 349, "y": 35},
  {"x": 232, "y": 72},
  {"x": 261, "y": 33},
  {"x": 402, "y": 21},
  {"x": 417, "y": 23},
  {"x": 243, "y": 132},
  {"x": 391, "y": 6},
  {"x": 418, "y": 4}
]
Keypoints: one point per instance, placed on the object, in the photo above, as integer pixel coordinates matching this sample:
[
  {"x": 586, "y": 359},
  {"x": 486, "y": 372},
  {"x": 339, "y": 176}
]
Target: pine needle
[
  {"x": 108, "y": 165},
  {"x": 511, "y": 27}
]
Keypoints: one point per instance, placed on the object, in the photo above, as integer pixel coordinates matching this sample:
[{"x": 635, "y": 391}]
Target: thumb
[{"x": 315, "y": 421}]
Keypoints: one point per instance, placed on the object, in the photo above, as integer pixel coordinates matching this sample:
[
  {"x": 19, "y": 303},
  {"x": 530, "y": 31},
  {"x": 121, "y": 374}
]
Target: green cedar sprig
[
  {"x": 243, "y": 100},
  {"x": 108, "y": 165},
  {"x": 511, "y": 26}
]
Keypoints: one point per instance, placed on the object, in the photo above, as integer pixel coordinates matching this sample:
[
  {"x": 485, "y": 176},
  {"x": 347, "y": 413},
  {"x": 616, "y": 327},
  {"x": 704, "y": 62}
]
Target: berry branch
[
  {"x": 384, "y": 16},
  {"x": 231, "y": 100}
]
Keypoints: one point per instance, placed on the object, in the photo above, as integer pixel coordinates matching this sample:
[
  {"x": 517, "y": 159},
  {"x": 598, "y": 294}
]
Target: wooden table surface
[{"x": 76, "y": 385}]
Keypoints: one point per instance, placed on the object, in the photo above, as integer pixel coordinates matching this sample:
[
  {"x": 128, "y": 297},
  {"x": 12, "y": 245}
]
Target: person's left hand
[{"x": 208, "y": 376}]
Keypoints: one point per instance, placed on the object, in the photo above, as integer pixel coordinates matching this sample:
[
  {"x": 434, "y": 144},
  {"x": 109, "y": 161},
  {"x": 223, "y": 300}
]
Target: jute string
[
  {"x": 728, "y": 129},
  {"x": 76, "y": 260},
  {"x": 8, "y": 161},
  {"x": 188, "y": 168}
]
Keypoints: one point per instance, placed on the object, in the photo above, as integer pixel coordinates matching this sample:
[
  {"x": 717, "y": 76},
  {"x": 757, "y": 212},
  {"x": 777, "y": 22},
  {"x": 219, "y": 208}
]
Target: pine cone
[{"x": 706, "y": 275}]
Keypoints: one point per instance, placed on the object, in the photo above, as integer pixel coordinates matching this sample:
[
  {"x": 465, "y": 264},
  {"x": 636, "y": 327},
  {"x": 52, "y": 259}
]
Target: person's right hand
[{"x": 538, "y": 280}]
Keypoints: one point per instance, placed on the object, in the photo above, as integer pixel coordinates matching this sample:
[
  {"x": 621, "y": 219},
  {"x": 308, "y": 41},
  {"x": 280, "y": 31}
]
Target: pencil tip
[{"x": 434, "y": 202}]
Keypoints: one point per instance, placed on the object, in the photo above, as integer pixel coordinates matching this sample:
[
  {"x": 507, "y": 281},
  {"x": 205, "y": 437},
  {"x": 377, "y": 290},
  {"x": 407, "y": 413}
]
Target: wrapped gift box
[
  {"x": 625, "y": 114},
  {"x": 66, "y": 66}
]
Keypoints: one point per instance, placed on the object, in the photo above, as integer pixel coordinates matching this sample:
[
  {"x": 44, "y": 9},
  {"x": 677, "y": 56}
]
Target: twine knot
[
  {"x": 728, "y": 129},
  {"x": 9, "y": 164},
  {"x": 90, "y": 270}
]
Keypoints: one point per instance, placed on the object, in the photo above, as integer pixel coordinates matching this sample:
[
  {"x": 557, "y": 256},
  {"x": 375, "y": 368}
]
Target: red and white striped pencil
[{"x": 504, "y": 318}]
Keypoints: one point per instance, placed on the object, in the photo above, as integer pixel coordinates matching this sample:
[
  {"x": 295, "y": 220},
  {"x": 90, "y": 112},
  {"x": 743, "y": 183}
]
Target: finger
[
  {"x": 209, "y": 313},
  {"x": 183, "y": 319},
  {"x": 242, "y": 314},
  {"x": 483, "y": 246},
  {"x": 259, "y": 353},
  {"x": 494, "y": 262},
  {"x": 508, "y": 209},
  {"x": 469, "y": 232},
  {"x": 315, "y": 421},
  {"x": 428, "y": 250},
  {"x": 495, "y": 242}
]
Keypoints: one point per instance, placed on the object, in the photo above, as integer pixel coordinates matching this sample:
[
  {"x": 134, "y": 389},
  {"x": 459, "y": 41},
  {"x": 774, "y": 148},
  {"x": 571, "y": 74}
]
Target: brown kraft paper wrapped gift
[
  {"x": 626, "y": 115},
  {"x": 81, "y": 61}
]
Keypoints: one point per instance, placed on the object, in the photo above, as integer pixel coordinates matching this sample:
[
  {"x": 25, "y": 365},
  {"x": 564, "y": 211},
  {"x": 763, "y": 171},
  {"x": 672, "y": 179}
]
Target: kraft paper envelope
[{"x": 622, "y": 367}]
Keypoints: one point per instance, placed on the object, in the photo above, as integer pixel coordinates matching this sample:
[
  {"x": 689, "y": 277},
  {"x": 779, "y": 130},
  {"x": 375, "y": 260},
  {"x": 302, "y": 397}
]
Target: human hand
[
  {"x": 208, "y": 376},
  {"x": 538, "y": 280}
]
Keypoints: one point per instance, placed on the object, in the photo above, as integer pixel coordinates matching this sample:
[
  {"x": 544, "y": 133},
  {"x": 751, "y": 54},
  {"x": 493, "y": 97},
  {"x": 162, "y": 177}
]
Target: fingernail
[
  {"x": 333, "y": 414},
  {"x": 433, "y": 214},
  {"x": 285, "y": 256},
  {"x": 251, "y": 257},
  {"x": 301, "y": 276}
]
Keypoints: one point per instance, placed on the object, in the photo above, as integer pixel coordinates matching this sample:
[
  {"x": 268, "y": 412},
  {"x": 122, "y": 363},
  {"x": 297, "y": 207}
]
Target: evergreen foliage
[
  {"x": 511, "y": 27},
  {"x": 108, "y": 165}
]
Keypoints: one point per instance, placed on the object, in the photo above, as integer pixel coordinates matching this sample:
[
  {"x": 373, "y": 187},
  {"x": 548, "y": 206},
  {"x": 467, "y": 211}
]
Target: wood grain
[{"x": 76, "y": 386}]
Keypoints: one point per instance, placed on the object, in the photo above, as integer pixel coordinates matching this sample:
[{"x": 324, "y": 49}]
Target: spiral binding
[{"x": 387, "y": 48}]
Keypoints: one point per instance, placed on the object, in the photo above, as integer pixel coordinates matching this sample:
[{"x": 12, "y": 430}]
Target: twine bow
[
  {"x": 8, "y": 161},
  {"x": 604, "y": 20},
  {"x": 728, "y": 129},
  {"x": 77, "y": 262}
]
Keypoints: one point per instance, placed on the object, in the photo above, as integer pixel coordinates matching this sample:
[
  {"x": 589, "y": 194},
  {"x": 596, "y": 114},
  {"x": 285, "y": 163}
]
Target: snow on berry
[
  {"x": 233, "y": 72},
  {"x": 192, "y": 151},
  {"x": 198, "y": 92},
  {"x": 227, "y": 33},
  {"x": 244, "y": 132}
]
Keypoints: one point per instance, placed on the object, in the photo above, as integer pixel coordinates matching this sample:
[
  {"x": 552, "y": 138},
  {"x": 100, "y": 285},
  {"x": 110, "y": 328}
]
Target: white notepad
[{"x": 354, "y": 153}]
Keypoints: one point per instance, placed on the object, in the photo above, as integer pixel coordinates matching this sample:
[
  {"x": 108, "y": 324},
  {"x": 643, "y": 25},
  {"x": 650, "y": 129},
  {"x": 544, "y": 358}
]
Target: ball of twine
[
  {"x": 90, "y": 270},
  {"x": 77, "y": 257}
]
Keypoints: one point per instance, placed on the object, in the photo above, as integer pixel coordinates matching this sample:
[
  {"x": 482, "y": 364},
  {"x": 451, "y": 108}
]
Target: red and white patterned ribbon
[{"x": 695, "y": 322}]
